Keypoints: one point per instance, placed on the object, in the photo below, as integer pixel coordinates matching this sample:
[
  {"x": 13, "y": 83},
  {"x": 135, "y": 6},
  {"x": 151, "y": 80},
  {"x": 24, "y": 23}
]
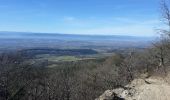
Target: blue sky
[{"x": 104, "y": 17}]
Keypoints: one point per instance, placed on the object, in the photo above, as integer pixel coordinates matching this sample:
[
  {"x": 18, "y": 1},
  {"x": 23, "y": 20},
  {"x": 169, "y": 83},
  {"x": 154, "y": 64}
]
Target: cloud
[
  {"x": 124, "y": 30},
  {"x": 69, "y": 19},
  {"x": 125, "y": 27},
  {"x": 97, "y": 26},
  {"x": 74, "y": 22}
]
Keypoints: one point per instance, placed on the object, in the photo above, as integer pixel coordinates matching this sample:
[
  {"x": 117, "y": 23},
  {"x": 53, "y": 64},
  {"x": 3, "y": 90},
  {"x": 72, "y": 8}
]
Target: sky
[{"x": 102, "y": 17}]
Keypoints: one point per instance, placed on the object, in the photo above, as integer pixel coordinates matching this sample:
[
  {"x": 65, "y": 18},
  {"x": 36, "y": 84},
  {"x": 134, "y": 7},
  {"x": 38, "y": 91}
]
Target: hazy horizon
[{"x": 13, "y": 33}]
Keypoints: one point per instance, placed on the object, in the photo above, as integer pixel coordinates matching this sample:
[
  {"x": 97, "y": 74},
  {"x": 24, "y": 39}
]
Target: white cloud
[
  {"x": 122, "y": 26},
  {"x": 124, "y": 30},
  {"x": 107, "y": 26},
  {"x": 69, "y": 19}
]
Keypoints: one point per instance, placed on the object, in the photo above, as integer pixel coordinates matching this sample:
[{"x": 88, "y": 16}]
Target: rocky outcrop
[{"x": 140, "y": 89}]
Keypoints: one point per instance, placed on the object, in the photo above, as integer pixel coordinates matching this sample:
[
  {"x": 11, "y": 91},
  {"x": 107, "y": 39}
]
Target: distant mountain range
[
  {"x": 27, "y": 40},
  {"x": 30, "y": 35}
]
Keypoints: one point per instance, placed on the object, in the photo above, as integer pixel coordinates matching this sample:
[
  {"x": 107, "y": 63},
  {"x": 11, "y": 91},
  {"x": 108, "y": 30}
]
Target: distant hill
[{"x": 70, "y": 36}]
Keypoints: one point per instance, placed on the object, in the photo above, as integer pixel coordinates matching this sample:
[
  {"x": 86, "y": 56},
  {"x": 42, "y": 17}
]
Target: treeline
[{"x": 83, "y": 80}]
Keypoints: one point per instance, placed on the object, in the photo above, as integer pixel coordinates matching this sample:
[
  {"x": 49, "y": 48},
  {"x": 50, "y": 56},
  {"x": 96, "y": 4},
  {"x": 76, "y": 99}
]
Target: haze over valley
[{"x": 26, "y": 40}]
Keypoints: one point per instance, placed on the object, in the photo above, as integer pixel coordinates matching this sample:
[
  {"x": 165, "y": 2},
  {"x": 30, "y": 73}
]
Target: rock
[
  {"x": 139, "y": 89},
  {"x": 110, "y": 95},
  {"x": 116, "y": 94}
]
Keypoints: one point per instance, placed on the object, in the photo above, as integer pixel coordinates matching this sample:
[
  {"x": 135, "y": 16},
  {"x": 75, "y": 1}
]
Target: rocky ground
[{"x": 153, "y": 88}]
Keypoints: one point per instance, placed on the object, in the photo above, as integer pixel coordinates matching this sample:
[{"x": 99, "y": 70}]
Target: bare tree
[
  {"x": 162, "y": 48},
  {"x": 166, "y": 14}
]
